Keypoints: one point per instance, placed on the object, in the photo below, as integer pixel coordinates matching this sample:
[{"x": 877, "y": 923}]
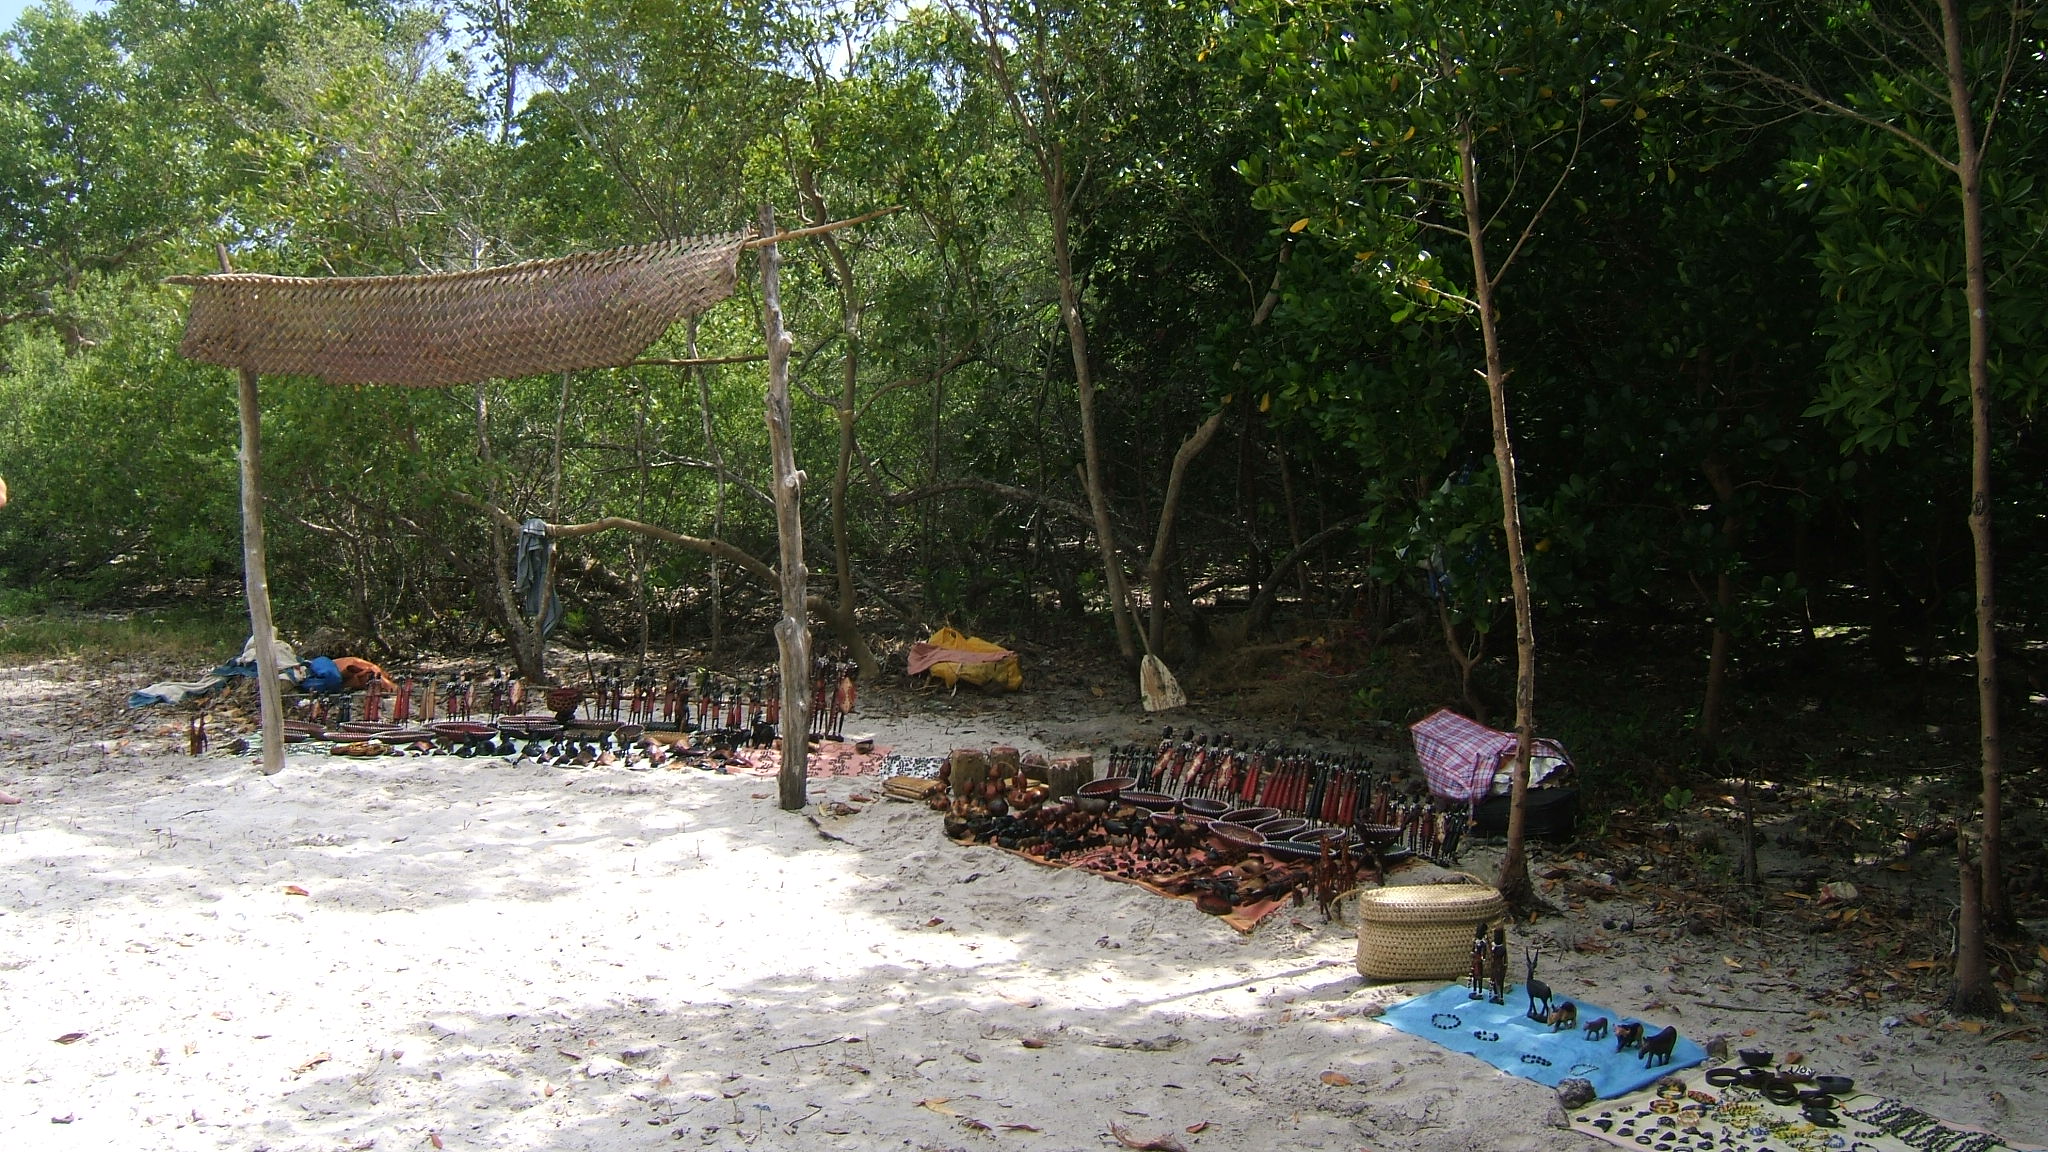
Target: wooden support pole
[
  {"x": 257, "y": 579},
  {"x": 255, "y": 574},
  {"x": 793, "y": 631}
]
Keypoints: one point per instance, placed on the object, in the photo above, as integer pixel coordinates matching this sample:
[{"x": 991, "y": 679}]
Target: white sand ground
[{"x": 490, "y": 957}]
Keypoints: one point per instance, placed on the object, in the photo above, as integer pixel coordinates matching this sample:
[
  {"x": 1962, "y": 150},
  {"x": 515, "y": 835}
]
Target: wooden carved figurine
[
  {"x": 1539, "y": 992},
  {"x": 1657, "y": 1048},
  {"x": 1627, "y": 1034},
  {"x": 1477, "y": 974},
  {"x": 1497, "y": 966},
  {"x": 1562, "y": 1017},
  {"x": 1596, "y": 1029}
]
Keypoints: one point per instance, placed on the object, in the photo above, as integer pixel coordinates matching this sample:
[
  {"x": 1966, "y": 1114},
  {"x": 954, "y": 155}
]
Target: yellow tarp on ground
[{"x": 952, "y": 658}]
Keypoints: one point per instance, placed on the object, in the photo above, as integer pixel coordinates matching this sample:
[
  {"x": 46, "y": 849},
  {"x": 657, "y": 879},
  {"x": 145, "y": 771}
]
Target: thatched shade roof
[{"x": 591, "y": 310}]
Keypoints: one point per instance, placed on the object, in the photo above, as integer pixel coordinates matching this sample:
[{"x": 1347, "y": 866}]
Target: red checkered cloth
[{"x": 1460, "y": 754}]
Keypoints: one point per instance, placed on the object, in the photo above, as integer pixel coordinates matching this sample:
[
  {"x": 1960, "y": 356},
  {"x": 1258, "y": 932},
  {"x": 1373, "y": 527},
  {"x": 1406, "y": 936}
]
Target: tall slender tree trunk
[
  {"x": 793, "y": 631},
  {"x": 528, "y": 645},
  {"x": 1724, "y": 605},
  {"x": 1977, "y": 294},
  {"x": 845, "y": 620},
  {"x": 1162, "y": 544},
  {"x": 1084, "y": 382},
  {"x": 636, "y": 549},
  {"x": 1514, "y": 881},
  {"x": 703, "y": 374}
]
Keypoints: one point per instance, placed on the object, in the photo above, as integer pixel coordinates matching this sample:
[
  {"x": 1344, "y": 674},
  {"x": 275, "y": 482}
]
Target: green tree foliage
[{"x": 1703, "y": 302}]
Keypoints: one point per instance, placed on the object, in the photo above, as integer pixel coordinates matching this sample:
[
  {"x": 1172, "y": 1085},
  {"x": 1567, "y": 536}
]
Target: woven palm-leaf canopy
[{"x": 591, "y": 310}]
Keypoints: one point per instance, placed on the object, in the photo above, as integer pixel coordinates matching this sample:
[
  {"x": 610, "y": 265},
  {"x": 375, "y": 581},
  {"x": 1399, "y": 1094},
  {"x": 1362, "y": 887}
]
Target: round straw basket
[{"x": 1423, "y": 931}]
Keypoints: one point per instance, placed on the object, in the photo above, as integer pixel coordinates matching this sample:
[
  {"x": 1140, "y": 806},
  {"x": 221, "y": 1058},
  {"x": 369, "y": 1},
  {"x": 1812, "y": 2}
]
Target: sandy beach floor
[{"x": 435, "y": 952}]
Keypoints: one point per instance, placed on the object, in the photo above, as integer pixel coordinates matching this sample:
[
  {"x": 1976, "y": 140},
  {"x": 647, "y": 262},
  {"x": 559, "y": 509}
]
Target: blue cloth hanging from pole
[{"x": 536, "y": 593}]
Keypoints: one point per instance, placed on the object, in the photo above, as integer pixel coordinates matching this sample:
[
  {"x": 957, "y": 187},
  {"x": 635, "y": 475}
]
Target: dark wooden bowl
[
  {"x": 1377, "y": 836},
  {"x": 1111, "y": 786},
  {"x": 1251, "y": 817},
  {"x": 1233, "y": 837},
  {"x": 1203, "y": 807}
]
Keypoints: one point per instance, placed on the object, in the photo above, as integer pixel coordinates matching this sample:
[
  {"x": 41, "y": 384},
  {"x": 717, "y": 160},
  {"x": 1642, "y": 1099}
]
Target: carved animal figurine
[
  {"x": 1596, "y": 1029},
  {"x": 1627, "y": 1035},
  {"x": 1657, "y": 1048},
  {"x": 1539, "y": 992},
  {"x": 1479, "y": 954},
  {"x": 1497, "y": 966},
  {"x": 1562, "y": 1017}
]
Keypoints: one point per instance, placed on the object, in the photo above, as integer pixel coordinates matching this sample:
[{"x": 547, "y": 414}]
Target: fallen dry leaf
[
  {"x": 1018, "y": 1128},
  {"x": 1198, "y": 1128},
  {"x": 1032, "y": 1042},
  {"x": 315, "y": 1062},
  {"x": 1164, "y": 1143},
  {"x": 1335, "y": 1079},
  {"x": 295, "y": 890},
  {"x": 435, "y": 1138},
  {"x": 547, "y": 1089},
  {"x": 71, "y": 1038},
  {"x": 938, "y": 1104},
  {"x": 977, "y": 1125},
  {"x": 1236, "y": 1058},
  {"x": 935, "y": 921}
]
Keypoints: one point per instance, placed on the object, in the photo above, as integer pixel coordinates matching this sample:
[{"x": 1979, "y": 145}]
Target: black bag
[{"x": 1551, "y": 814}]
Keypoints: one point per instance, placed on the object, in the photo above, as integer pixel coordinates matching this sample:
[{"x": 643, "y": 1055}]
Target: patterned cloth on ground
[{"x": 1685, "y": 1114}]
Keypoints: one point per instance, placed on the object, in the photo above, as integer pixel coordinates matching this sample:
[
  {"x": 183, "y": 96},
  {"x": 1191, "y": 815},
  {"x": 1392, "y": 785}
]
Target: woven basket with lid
[{"x": 1423, "y": 931}]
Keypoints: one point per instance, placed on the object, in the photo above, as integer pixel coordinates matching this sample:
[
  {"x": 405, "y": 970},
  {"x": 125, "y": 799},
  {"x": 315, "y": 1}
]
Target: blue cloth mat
[{"x": 1502, "y": 1036}]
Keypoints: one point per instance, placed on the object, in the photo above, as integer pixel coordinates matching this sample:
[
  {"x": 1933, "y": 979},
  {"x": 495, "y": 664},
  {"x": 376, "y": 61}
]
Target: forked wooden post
[
  {"x": 257, "y": 580},
  {"x": 255, "y": 576},
  {"x": 793, "y": 631}
]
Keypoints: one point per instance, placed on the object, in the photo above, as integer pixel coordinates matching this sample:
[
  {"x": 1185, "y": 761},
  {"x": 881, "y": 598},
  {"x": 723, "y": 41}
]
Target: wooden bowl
[
  {"x": 1149, "y": 801},
  {"x": 1203, "y": 807},
  {"x": 1282, "y": 829},
  {"x": 1251, "y": 817},
  {"x": 1110, "y": 786},
  {"x": 1377, "y": 836},
  {"x": 1233, "y": 837}
]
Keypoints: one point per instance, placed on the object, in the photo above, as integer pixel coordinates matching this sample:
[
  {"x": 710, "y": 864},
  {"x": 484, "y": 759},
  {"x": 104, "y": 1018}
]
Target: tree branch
[{"x": 714, "y": 548}]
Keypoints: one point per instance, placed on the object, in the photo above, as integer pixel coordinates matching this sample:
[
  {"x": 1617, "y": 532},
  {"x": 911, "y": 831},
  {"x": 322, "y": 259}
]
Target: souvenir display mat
[
  {"x": 1684, "y": 1114},
  {"x": 1502, "y": 1036}
]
